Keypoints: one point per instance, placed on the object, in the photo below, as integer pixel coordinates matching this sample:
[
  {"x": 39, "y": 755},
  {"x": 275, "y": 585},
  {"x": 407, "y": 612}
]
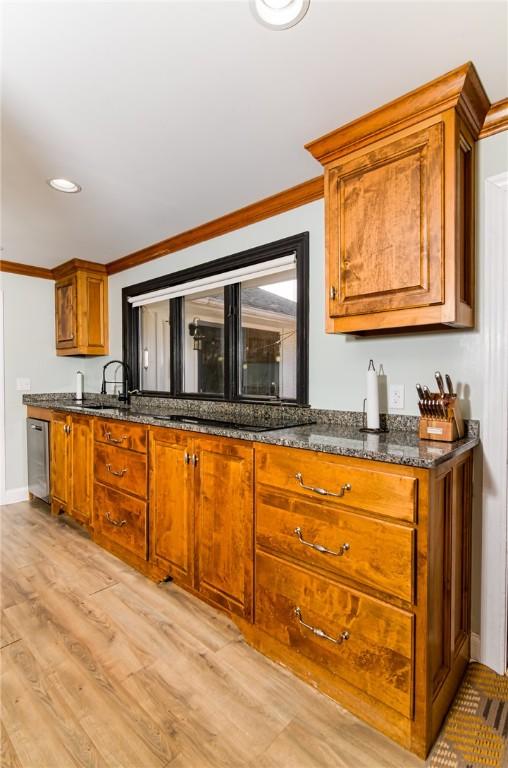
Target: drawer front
[
  {"x": 376, "y": 657},
  {"x": 121, "y": 469},
  {"x": 121, "y": 519},
  {"x": 374, "y": 552},
  {"x": 336, "y": 481},
  {"x": 121, "y": 434}
]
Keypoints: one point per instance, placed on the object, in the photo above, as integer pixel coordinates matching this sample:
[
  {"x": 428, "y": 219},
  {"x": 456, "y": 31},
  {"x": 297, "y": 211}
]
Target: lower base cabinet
[
  {"x": 389, "y": 639},
  {"x": 201, "y": 507},
  {"x": 71, "y": 470},
  {"x": 363, "y": 591}
]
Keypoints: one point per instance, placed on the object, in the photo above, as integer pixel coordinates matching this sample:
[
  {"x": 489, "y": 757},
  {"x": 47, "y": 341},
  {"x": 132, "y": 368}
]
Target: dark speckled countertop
[{"x": 335, "y": 432}]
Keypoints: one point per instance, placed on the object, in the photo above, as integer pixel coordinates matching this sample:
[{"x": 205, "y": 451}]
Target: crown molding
[
  {"x": 68, "y": 267},
  {"x": 460, "y": 89},
  {"x": 307, "y": 192},
  {"x": 25, "y": 269},
  {"x": 496, "y": 119}
]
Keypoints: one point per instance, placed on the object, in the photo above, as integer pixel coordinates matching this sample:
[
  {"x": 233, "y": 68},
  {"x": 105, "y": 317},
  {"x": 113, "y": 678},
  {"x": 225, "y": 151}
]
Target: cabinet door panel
[
  {"x": 171, "y": 504},
  {"x": 65, "y": 313},
  {"x": 59, "y": 457},
  {"x": 385, "y": 231},
  {"x": 224, "y": 519},
  {"x": 96, "y": 330},
  {"x": 81, "y": 450}
]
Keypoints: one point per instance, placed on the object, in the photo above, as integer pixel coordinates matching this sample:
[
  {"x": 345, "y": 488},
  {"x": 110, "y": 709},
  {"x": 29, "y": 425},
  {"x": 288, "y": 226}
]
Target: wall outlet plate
[
  {"x": 396, "y": 397},
  {"x": 23, "y": 385}
]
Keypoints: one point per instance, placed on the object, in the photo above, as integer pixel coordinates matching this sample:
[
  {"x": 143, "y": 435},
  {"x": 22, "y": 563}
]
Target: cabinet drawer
[
  {"x": 317, "y": 476},
  {"x": 371, "y": 551},
  {"x": 122, "y": 469},
  {"x": 121, "y": 434},
  {"x": 377, "y": 655},
  {"x": 121, "y": 519}
]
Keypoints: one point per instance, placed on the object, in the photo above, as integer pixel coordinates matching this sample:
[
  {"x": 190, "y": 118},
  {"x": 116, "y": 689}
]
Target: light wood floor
[{"x": 100, "y": 667}]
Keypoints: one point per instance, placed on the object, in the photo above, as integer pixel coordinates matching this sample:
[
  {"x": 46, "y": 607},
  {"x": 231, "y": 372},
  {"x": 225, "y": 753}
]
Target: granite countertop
[{"x": 335, "y": 432}]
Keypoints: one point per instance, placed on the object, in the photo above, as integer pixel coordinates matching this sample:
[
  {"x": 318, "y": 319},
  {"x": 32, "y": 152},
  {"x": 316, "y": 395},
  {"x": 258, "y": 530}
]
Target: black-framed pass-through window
[{"x": 233, "y": 329}]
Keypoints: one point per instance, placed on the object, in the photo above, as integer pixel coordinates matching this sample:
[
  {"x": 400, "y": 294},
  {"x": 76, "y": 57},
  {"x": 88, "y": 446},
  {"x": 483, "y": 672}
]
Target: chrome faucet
[{"x": 125, "y": 395}]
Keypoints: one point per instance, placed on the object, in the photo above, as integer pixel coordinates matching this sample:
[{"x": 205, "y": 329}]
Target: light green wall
[{"x": 337, "y": 362}]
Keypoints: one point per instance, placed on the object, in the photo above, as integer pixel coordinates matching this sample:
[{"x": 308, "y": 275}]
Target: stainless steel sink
[{"x": 96, "y": 406}]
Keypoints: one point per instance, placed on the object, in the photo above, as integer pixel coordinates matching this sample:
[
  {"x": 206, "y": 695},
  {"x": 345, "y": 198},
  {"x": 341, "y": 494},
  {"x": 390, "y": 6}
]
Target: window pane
[
  {"x": 268, "y": 337},
  {"x": 203, "y": 343},
  {"x": 154, "y": 347}
]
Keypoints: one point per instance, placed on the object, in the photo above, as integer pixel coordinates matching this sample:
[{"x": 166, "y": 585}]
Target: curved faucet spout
[{"x": 124, "y": 396}]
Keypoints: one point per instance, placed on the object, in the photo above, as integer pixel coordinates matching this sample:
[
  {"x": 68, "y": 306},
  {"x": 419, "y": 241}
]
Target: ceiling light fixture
[
  {"x": 279, "y": 14},
  {"x": 64, "y": 185}
]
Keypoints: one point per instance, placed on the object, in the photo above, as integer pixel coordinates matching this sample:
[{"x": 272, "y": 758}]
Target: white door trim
[{"x": 494, "y": 427}]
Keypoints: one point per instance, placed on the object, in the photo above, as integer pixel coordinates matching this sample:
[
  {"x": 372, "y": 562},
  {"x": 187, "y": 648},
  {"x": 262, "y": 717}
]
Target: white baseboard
[
  {"x": 13, "y": 495},
  {"x": 475, "y": 647}
]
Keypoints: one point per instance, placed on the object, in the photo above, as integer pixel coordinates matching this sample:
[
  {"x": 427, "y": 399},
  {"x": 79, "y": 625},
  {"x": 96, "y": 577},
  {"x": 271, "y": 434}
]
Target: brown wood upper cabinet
[
  {"x": 81, "y": 308},
  {"x": 399, "y": 208}
]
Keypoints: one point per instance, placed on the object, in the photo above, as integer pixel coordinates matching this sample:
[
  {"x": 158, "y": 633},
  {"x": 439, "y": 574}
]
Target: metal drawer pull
[
  {"x": 120, "y": 473},
  {"x": 323, "y": 491},
  {"x": 110, "y": 439},
  {"x": 319, "y": 632},
  {"x": 319, "y": 547},
  {"x": 118, "y": 523}
]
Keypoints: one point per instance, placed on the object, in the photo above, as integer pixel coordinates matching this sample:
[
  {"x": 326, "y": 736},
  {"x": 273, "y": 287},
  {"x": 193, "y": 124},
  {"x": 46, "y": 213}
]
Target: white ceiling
[{"x": 170, "y": 114}]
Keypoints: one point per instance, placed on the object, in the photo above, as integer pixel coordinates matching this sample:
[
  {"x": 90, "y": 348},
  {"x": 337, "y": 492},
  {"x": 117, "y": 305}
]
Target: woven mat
[{"x": 475, "y": 733}]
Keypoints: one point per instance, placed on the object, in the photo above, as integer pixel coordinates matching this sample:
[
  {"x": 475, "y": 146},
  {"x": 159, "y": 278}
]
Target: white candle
[
  {"x": 372, "y": 398},
  {"x": 79, "y": 386}
]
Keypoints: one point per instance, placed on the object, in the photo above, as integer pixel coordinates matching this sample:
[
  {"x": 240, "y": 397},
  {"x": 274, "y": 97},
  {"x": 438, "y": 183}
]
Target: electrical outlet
[
  {"x": 396, "y": 400},
  {"x": 23, "y": 385}
]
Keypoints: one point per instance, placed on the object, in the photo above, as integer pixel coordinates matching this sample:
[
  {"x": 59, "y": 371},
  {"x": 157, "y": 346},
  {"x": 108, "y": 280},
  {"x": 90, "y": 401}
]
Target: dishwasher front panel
[{"x": 38, "y": 458}]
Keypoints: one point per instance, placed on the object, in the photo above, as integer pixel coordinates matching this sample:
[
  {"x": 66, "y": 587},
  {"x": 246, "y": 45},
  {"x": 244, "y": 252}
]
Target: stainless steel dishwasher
[{"x": 37, "y": 439}]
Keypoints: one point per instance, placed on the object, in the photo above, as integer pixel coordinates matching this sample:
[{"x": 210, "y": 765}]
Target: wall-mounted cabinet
[
  {"x": 81, "y": 309},
  {"x": 399, "y": 208}
]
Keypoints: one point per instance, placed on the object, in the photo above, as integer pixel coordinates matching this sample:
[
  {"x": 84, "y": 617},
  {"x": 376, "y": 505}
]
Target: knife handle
[
  {"x": 439, "y": 380},
  {"x": 449, "y": 385}
]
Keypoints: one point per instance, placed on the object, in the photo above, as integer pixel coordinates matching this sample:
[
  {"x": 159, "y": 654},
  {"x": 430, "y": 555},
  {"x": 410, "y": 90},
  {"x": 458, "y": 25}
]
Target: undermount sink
[{"x": 96, "y": 406}]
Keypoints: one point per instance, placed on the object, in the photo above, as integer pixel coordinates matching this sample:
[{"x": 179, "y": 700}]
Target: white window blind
[{"x": 214, "y": 282}]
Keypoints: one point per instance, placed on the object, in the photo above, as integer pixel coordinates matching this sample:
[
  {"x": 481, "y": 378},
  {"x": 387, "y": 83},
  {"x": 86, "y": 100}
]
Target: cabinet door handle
[
  {"x": 333, "y": 293},
  {"x": 190, "y": 458},
  {"x": 322, "y": 491},
  {"x": 67, "y": 429},
  {"x": 117, "y": 523},
  {"x": 110, "y": 439},
  {"x": 119, "y": 473},
  {"x": 320, "y": 548},
  {"x": 344, "y": 635}
]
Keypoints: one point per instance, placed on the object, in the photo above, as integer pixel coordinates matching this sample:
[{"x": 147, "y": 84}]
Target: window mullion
[
  {"x": 231, "y": 330},
  {"x": 176, "y": 346}
]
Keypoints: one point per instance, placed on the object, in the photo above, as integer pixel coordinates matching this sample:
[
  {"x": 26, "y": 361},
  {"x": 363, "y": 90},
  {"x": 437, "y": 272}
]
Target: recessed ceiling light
[
  {"x": 64, "y": 185},
  {"x": 279, "y": 14}
]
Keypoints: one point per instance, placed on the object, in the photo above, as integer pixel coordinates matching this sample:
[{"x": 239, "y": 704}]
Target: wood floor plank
[
  {"x": 8, "y": 755},
  {"x": 122, "y": 737},
  {"x": 8, "y": 634},
  {"x": 54, "y": 713}
]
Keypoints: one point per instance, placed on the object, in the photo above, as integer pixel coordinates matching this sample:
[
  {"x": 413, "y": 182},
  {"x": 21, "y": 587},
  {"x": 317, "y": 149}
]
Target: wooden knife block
[{"x": 445, "y": 430}]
